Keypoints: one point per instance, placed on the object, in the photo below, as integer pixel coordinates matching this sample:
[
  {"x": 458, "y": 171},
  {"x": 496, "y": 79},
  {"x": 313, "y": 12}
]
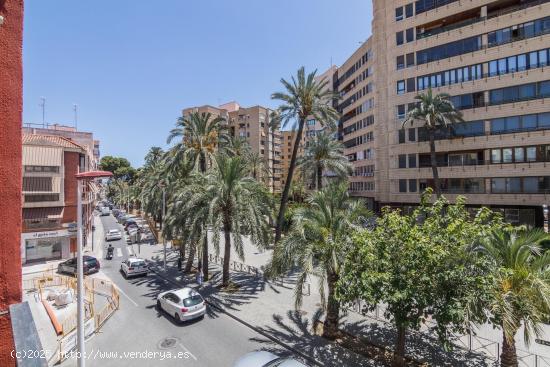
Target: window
[
  {"x": 522, "y": 62},
  {"x": 401, "y": 111},
  {"x": 412, "y": 160},
  {"x": 520, "y": 93},
  {"x": 519, "y": 155},
  {"x": 410, "y": 59},
  {"x": 425, "y": 5},
  {"x": 409, "y": 35},
  {"x": 410, "y": 85},
  {"x": 402, "y": 161},
  {"x": 507, "y": 155},
  {"x": 310, "y": 122},
  {"x": 401, "y": 87},
  {"x": 518, "y": 32},
  {"x": 409, "y": 10},
  {"x": 402, "y": 185},
  {"x": 496, "y": 156},
  {"x": 531, "y": 153},
  {"x": 412, "y": 134},
  {"x": 448, "y": 50},
  {"x": 401, "y": 136},
  {"x": 412, "y": 185},
  {"x": 398, "y": 14},
  {"x": 400, "y": 62},
  {"x": 399, "y": 38}
]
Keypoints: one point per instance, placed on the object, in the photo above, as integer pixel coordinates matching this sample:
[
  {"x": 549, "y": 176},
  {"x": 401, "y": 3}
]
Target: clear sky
[{"x": 133, "y": 65}]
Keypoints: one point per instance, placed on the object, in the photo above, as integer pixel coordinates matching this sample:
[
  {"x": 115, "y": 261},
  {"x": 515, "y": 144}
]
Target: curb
[{"x": 309, "y": 359}]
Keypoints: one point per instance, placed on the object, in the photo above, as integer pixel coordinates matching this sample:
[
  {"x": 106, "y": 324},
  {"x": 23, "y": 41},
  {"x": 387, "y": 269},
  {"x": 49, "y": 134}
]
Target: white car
[
  {"x": 183, "y": 304},
  {"x": 113, "y": 235},
  {"x": 134, "y": 266},
  {"x": 266, "y": 359},
  {"x": 105, "y": 211}
]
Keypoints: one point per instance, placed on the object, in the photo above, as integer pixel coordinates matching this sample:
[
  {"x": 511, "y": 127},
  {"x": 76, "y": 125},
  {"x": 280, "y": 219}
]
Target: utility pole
[
  {"x": 43, "y": 105},
  {"x": 79, "y": 278},
  {"x": 75, "y": 109},
  {"x": 163, "y": 219}
]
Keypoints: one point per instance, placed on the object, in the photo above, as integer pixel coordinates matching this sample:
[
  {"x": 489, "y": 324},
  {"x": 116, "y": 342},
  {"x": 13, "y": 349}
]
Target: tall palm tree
[
  {"x": 435, "y": 112},
  {"x": 233, "y": 202},
  {"x": 318, "y": 242},
  {"x": 521, "y": 291},
  {"x": 324, "y": 153},
  {"x": 153, "y": 155},
  {"x": 303, "y": 96},
  {"x": 201, "y": 135},
  {"x": 257, "y": 165}
]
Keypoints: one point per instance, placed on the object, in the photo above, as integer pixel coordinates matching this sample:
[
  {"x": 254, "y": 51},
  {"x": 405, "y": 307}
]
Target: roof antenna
[
  {"x": 43, "y": 105},
  {"x": 75, "y": 109}
]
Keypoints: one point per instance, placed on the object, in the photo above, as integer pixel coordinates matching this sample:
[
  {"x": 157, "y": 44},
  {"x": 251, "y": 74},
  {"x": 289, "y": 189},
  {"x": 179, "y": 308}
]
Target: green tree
[
  {"x": 303, "y": 96},
  {"x": 322, "y": 154},
  {"x": 154, "y": 154},
  {"x": 201, "y": 136},
  {"x": 435, "y": 112},
  {"x": 520, "y": 293},
  {"x": 120, "y": 167},
  {"x": 228, "y": 199},
  {"x": 318, "y": 242},
  {"x": 418, "y": 266}
]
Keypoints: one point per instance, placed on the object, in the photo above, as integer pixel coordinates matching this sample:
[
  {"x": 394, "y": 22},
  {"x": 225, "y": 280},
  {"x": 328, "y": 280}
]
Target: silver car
[
  {"x": 113, "y": 235},
  {"x": 183, "y": 304},
  {"x": 266, "y": 359}
]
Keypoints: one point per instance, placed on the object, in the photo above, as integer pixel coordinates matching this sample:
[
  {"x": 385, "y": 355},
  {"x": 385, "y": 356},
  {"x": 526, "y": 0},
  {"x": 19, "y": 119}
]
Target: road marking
[
  {"x": 125, "y": 295},
  {"x": 131, "y": 251},
  {"x": 187, "y": 350},
  {"x": 118, "y": 252}
]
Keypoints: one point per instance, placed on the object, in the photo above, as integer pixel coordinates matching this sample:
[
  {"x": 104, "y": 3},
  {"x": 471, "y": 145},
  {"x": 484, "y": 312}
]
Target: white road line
[
  {"x": 125, "y": 295},
  {"x": 131, "y": 250},
  {"x": 118, "y": 252},
  {"x": 187, "y": 350}
]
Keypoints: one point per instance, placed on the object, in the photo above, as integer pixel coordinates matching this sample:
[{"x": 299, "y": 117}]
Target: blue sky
[{"x": 132, "y": 66}]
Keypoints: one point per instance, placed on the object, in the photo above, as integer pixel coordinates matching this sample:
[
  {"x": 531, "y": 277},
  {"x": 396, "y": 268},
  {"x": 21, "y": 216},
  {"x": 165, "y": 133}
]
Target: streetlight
[{"x": 80, "y": 178}]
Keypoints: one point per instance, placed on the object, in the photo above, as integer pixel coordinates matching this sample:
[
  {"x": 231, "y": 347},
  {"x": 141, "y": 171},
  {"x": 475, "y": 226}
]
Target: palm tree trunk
[
  {"x": 330, "y": 330},
  {"x": 227, "y": 253},
  {"x": 273, "y": 161},
  {"x": 433, "y": 158},
  {"x": 508, "y": 357},
  {"x": 399, "y": 353},
  {"x": 284, "y": 197},
  {"x": 319, "y": 177},
  {"x": 202, "y": 166},
  {"x": 190, "y": 259}
]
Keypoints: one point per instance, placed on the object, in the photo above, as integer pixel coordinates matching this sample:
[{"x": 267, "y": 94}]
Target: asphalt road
[{"x": 153, "y": 337}]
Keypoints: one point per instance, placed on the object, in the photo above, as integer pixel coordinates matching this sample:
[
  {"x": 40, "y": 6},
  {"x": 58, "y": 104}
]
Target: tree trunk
[
  {"x": 183, "y": 246},
  {"x": 189, "y": 263},
  {"x": 330, "y": 330},
  {"x": 433, "y": 158},
  {"x": 227, "y": 253},
  {"x": 284, "y": 197},
  {"x": 508, "y": 357},
  {"x": 202, "y": 166},
  {"x": 319, "y": 177},
  {"x": 399, "y": 353},
  {"x": 273, "y": 161}
]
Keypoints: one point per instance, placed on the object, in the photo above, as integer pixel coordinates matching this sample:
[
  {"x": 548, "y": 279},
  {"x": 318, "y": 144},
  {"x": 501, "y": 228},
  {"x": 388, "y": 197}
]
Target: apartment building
[
  {"x": 50, "y": 197},
  {"x": 252, "y": 124},
  {"x": 492, "y": 58}
]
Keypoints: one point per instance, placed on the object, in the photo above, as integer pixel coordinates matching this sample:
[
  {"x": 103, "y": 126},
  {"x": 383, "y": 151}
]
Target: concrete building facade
[{"x": 492, "y": 58}]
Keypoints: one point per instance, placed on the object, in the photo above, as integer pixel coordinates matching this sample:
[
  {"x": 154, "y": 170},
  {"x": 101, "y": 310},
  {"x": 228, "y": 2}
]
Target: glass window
[
  {"x": 519, "y": 155},
  {"x": 410, "y": 59},
  {"x": 420, "y": 83},
  {"x": 496, "y": 96},
  {"x": 530, "y": 184},
  {"x": 412, "y": 185},
  {"x": 409, "y": 10},
  {"x": 543, "y": 58},
  {"x": 400, "y": 62},
  {"x": 531, "y": 153},
  {"x": 529, "y": 122},
  {"x": 544, "y": 120},
  {"x": 438, "y": 80},
  {"x": 399, "y": 13},
  {"x": 533, "y": 60},
  {"x": 512, "y": 64},
  {"x": 401, "y": 87},
  {"x": 498, "y": 185},
  {"x": 410, "y": 85},
  {"x": 529, "y": 29},
  {"x": 544, "y": 89},
  {"x": 409, "y": 34},
  {"x": 459, "y": 76},
  {"x": 412, "y": 160},
  {"x": 522, "y": 62},
  {"x": 399, "y": 38},
  {"x": 498, "y": 125},
  {"x": 455, "y": 159},
  {"x": 512, "y": 123},
  {"x": 412, "y": 134},
  {"x": 493, "y": 68},
  {"x": 401, "y": 136},
  {"x": 527, "y": 91},
  {"x": 401, "y": 111},
  {"x": 402, "y": 160},
  {"x": 513, "y": 184},
  {"x": 402, "y": 185},
  {"x": 479, "y": 71},
  {"x": 507, "y": 155},
  {"x": 495, "y": 156},
  {"x": 502, "y": 66}
]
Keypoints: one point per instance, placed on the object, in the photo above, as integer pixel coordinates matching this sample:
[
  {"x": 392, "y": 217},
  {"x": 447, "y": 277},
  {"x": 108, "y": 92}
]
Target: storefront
[{"x": 44, "y": 246}]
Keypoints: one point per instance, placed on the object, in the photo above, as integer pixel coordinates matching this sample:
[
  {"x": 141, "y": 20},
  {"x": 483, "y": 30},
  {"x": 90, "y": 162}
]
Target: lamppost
[{"x": 82, "y": 177}]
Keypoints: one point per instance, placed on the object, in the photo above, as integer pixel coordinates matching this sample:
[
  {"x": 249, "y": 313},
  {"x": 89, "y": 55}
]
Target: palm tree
[
  {"x": 304, "y": 96},
  {"x": 324, "y": 153},
  {"x": 258, "y": 165},
  {"x": 521, "y": 290},
  {"x": 201, "y": 135},
  {"x": 230, "y": 200},
  {"x": 318, "y": 242},
  {"x": 155, "y": 154},
  {"x": 436, "y": 112}
]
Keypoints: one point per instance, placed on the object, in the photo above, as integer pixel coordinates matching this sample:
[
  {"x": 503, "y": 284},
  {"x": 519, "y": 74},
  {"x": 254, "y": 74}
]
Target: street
[{"x": 136, "y": 331}]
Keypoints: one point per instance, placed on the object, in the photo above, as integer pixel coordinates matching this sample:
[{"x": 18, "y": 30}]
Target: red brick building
[{"x": 11, "y": 106}]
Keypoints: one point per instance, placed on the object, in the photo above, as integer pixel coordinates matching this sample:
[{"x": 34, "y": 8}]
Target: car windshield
[
  {"x": 114, "y": 231},
  {"x": 90, "y": 262},
  {"x": 192, "y": 301},
  {"x": 137, "y": 263}
]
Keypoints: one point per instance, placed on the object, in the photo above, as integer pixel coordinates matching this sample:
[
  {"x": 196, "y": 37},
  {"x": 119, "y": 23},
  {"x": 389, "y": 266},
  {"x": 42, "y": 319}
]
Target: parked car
[
  {"x": 183, "y": 304},
  {"x": 113, "y": 235},
  {"x": 105, "y": 211},
  {"x": 265, "y": 359},
  {"x": 91, "y": 265},
  {"x": 134, "y": 266}
]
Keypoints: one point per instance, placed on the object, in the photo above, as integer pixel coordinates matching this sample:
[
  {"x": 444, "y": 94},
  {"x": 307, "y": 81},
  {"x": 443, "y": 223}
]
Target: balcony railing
[{"x": 435, "y": 31}]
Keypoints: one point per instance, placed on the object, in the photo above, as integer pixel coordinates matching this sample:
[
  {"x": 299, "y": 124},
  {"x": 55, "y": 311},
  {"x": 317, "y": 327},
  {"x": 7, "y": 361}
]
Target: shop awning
[{"x": 42, "y": 213}]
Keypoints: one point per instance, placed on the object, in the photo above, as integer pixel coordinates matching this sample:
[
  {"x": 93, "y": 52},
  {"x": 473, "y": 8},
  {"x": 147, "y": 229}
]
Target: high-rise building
[
  {"x": 492, "y": 58},
  {"x": 253, "y": 125},
  {"x": 50, "y": 164}
]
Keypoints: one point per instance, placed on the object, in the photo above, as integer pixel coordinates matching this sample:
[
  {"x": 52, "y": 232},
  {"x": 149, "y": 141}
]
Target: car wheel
[{"x": 177, "y": 317}]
